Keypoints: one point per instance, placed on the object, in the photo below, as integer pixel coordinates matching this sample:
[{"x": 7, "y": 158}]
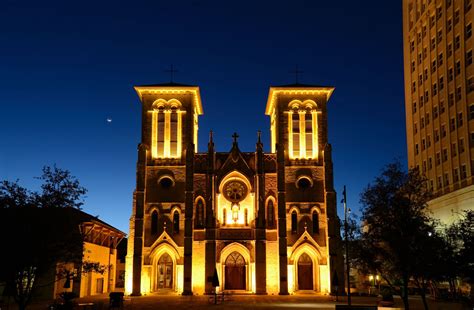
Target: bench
[
  {"x": 355, "y": 307},
  {"x": 86, "y": 305}
]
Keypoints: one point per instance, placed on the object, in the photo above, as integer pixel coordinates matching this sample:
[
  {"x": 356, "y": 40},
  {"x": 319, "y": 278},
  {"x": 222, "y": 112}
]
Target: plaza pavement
[{"x": 234, "y": 302}]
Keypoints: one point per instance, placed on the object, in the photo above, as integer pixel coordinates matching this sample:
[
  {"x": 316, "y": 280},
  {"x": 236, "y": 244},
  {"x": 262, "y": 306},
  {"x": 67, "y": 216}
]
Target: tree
[
  {"x": 38, "y": 231},
  {"x": 60, "y": 189},
  {"x": 461, "y": 238},
  {"x": 398, "y": 234}
]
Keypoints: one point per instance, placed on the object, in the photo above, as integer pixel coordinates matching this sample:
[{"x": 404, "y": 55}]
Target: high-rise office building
[{"x": 439, "y": 99}]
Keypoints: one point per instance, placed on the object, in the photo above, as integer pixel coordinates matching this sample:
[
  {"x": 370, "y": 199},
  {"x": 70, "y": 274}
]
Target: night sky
[{"x": 67, "y": 66}]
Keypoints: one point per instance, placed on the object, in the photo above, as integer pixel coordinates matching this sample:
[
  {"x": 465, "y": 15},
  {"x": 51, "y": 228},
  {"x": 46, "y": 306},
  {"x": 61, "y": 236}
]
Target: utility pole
[{"x": 346, "y": 237}]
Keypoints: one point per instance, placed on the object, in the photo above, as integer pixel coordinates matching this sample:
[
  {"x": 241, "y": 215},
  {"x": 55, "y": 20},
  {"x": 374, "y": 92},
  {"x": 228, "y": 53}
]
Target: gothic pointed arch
[{"x": 199, "y": 214}]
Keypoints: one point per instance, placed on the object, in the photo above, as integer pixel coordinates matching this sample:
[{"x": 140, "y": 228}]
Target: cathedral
[{"x": 265, "y": 223}]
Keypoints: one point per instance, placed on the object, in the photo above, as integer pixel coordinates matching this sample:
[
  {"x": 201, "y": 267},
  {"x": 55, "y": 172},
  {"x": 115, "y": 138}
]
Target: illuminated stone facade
[
  {"x": 266, "y": 222},
  {"x": 439, "y": 100}
]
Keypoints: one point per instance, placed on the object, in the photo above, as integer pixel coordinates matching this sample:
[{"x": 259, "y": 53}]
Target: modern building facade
[
  {"x": 265, "y": 222},
  {"x": 99, "y": 247},
  {"x": 439, "y": 99}
]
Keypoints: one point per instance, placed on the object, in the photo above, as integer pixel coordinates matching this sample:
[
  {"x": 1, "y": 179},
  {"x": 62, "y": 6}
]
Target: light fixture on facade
[{"x": 235, "y": 212}]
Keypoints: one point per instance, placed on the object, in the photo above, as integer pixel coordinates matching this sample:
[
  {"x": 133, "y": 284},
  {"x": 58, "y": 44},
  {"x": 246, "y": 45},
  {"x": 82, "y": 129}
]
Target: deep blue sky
[{"x": 66, "y": 66}]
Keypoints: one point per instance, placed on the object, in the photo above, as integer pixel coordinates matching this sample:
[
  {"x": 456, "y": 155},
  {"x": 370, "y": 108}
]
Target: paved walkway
[{"x": 273, "y": 302}]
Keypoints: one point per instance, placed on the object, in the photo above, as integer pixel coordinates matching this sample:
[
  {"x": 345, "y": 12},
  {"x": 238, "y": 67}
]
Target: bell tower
[
  {"x": 306, "y": 197},
  {"x": 170, "y": 118},
  {"x": 164, "y": 189}
]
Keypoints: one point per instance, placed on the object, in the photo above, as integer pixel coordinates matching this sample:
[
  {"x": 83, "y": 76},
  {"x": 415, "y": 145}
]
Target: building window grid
[
  {"x": 469, "y": 58},
  {"x": 463, "y": 172},
  {"x": 444, "y": 180},
  {"x": 461, "y": 145},
  {"x": 470, "y": 84},
  {"x": 458, "y": 93}
]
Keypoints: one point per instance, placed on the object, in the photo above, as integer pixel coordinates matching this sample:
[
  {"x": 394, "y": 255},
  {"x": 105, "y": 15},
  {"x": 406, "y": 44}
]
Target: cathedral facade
[{"x": 265, "y": 223}]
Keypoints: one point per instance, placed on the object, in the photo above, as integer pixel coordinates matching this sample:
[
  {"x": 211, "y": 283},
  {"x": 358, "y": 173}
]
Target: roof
[
  {"x": 83, "y": 217},
  {"x": 166, "y": 85},
  {"x": 295, "y": 89},
  {"x": 299, "y": 85},
  {"x": 172, "y": 88}
]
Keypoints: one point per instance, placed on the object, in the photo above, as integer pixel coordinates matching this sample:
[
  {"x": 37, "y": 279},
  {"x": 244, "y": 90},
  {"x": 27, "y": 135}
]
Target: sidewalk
[{"x": 261, "y": 302}]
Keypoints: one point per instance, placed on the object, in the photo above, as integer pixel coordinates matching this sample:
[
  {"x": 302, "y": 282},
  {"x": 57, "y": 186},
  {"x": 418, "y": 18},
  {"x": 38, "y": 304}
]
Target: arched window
[
  {"x": 154, "y": 222},
  {"x": 224, "y": 217},
  {"x": 176, "y": 222},
  {"x": 199, "y": 214},
  {"x": 315, "y": 222},
  {"x": 270, "y": 214},
  {"x": 166, "y": 133},
  {"x": 294, "y": 222}
]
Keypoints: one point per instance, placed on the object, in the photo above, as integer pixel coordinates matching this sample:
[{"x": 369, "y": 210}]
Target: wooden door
[
  {"x": 165, "y": 272},
  {"x": 235, "y": 272},
  {"x": 305, "y": 272}
]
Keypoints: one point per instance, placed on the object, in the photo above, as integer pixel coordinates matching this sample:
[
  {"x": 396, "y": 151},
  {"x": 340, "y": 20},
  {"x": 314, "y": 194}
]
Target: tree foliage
[
  {"x": 460, "y": 236},
  {"x": 38, "y": 230},
  {"x": 398, "y": 234}
]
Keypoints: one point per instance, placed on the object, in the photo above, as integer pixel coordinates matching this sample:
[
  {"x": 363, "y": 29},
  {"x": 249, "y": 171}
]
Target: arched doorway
[
  {"x": 305, "y": 272},
  {"x": 165, "y": 272},
  {"x": 235, "y": 272}
]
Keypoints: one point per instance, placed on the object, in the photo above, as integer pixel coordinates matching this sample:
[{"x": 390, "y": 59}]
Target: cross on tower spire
[
  {"x": 235, "y": 136},
  {"x": 296, "y": 72},
  {"x": 171, "y": 71}
]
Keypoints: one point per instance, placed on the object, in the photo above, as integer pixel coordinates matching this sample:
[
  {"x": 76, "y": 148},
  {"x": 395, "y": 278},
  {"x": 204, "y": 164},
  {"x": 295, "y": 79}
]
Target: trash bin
[{"x": 116, "y": 300}]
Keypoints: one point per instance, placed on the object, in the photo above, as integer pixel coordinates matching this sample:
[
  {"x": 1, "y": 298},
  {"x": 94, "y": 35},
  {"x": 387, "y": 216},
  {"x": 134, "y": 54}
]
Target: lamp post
[{"x": 346, "y": 233}]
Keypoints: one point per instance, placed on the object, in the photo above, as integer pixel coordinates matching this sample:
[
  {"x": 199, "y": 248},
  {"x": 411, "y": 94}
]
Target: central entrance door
[
  {"x": 305, "y": 272},
  {"x": 165, "y": 272},
  {"x": 235, "y": 272}
]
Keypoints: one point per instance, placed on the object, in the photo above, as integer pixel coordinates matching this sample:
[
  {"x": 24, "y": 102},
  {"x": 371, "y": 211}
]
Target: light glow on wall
[
  {"x": 199, "y": 263},
  {"x": 145, "y": 282},
  {"x": 324, "y": 279},
  {"x": 273, "y": 268},
  {"x": 235, "y": 213},
  {"x": 179, "y": 278},
  {"x": 291, "y": 279}
]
